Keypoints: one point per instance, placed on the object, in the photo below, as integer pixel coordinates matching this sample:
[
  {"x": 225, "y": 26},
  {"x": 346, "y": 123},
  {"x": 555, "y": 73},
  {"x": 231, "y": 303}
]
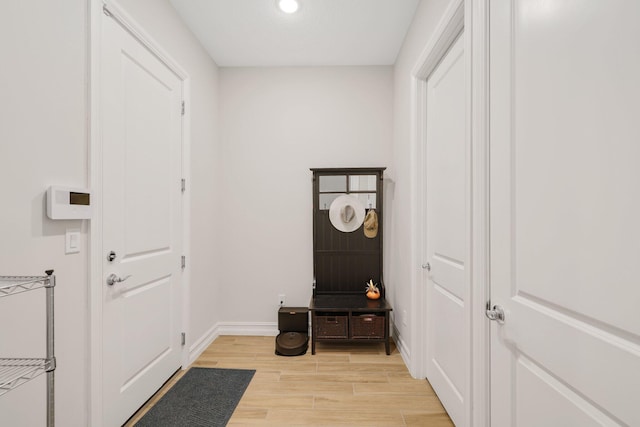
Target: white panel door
[
  {"x": 447, "y": 233},
  {"x": 565, "y": 212},
  {"x": 141, "y": 138}
]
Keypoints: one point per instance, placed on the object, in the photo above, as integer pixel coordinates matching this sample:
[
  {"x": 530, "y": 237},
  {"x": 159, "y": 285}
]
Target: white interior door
[
  {"x": 447, "y": 233},
  {"x": 141, "y": 138},
  {"x": 565, "y": 212}
]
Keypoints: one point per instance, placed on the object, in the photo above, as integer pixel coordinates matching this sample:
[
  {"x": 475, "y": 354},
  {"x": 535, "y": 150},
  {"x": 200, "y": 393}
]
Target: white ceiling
[{"x": 241, "y": 33}]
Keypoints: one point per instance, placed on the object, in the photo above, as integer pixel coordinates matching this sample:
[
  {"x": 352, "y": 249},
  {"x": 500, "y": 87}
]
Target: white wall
[
  {"x": 401, "y": 261},
  {"x": 276, "y": 124},
  {"x": 44, "y": 141}
]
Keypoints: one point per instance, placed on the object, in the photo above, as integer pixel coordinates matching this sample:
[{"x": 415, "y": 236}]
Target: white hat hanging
[{"x": 346, "y": 213}]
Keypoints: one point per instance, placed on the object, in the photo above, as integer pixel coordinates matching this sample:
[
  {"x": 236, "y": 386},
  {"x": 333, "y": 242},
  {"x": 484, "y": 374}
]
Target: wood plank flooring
[{"x": 341, "y": 385}]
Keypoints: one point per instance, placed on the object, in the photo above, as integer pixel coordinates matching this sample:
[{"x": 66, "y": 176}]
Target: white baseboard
[
  {"x": 404, "y": 350},
  {"x": 196, "y": 349},
  {"x": 262, "y": 329},
  {"x": 266, "y": 329}
]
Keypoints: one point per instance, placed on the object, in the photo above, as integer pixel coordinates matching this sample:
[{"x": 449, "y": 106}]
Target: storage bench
[
  {"x": 345, "y": 260},
  {"x": 351, "y": 318}
]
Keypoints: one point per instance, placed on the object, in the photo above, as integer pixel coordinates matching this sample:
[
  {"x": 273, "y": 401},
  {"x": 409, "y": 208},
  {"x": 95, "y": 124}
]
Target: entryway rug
[{"x": 203, "y": 397}]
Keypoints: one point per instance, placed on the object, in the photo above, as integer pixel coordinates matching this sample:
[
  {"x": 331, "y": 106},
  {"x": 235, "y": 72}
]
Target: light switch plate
[{"x": 72, "y": 242}]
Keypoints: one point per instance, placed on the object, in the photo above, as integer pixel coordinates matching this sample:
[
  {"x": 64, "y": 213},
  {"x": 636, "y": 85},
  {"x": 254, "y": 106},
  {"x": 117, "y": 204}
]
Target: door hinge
[
  {"x": 183, "y": 262},
  {"x": 183, "y": 185},
  {"x": 183, "y": 108},
  {"x": 183, "y": 338}
]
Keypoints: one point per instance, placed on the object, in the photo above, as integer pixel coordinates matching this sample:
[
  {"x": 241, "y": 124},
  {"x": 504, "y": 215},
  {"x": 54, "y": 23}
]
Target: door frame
[
  {"x": 472, "y": 16},
  {"x": 98, "y": 10}
]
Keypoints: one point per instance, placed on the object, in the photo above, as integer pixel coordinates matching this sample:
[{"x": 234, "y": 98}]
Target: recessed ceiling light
[{"x": 288, "y": 6}]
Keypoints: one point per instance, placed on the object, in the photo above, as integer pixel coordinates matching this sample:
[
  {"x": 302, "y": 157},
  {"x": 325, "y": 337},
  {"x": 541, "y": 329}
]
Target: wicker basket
[
  {"x": 367, "y": 326},
  {"x": 332, "y": 326}
]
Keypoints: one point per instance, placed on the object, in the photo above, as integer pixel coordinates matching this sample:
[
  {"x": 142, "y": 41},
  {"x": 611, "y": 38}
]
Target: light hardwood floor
[{"x": 341, "y": 385}]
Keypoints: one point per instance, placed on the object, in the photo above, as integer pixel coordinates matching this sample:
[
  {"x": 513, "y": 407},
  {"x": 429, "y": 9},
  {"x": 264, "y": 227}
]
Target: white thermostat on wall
[{"x": 68, "y": 203}]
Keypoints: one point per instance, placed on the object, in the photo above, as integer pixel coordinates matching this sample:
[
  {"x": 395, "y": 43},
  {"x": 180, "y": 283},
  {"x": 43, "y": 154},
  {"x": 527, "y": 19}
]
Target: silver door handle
[
  {"x": 112, "y": 279},
  {"x": 496, "y": 313},
  {"x": 426, "y": 266}
]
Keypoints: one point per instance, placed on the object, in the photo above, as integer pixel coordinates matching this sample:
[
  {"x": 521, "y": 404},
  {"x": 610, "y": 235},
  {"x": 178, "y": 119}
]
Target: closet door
[
  {"x": 142, "y": 216},
  {"x": 447, "y": 234},
  {"x": 565, "y": 209}
]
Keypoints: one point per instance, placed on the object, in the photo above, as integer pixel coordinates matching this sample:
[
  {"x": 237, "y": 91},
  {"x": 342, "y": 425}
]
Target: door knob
[
  {"x": 496, "y": 313},
  {"x": 112, "y": 279},
  {"x": 426, "y": 266}
]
